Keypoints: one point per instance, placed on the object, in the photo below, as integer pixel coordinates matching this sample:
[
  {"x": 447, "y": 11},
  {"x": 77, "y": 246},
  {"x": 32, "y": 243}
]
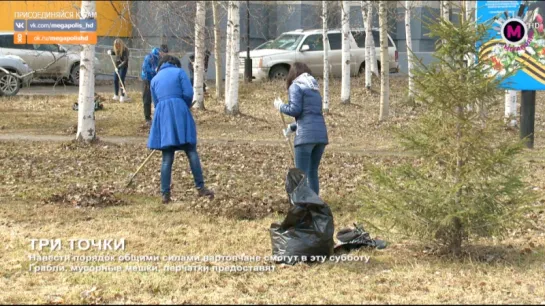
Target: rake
[
  {"x": 117, "y": 72},
  {"x": 288, "y": 139},
  {"x": 132, "y": 176}
]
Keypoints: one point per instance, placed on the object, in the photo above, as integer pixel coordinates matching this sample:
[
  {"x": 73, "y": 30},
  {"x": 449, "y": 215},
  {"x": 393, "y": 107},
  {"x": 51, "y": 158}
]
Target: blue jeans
[
  {"x": 307, "y": 159},
  {"x": 194, "y": 163},
  {"x": 122, "y": 73}
]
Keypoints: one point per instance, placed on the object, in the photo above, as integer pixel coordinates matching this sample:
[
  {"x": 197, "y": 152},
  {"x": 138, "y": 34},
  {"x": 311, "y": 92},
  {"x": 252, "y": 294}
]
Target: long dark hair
[
  {"x": 296, "y": 70},
  {"x": 169, "y": 59}
]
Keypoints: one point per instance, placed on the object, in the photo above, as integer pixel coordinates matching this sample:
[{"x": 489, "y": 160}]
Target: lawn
[{"x": 65, "y": 190}]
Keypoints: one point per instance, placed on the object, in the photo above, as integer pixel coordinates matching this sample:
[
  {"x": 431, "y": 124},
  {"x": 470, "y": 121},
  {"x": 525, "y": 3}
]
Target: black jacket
[
  {"x": 192, "y": 60},
  {"x": 122, "y": 61}
]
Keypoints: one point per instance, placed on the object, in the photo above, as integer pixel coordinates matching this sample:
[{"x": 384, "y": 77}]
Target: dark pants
[
  {"x": 122, "y": 73},
  {"x": 194, "y": 163},
  {"x": 307, "y": 159},
  {"x": 191, "y": 80},
  {"x": 146, "y": 98}
]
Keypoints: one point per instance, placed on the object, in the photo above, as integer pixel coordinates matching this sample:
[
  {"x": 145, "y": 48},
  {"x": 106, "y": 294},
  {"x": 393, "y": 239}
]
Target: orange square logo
[
  {"x": 19, "y": 38},
  {"x": 62, "y": 38}
]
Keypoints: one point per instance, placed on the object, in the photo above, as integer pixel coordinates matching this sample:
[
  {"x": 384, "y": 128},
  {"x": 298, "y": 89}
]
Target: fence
[
  {"x": 106, "y": 66},
  {"x": 136, "y": 59}
]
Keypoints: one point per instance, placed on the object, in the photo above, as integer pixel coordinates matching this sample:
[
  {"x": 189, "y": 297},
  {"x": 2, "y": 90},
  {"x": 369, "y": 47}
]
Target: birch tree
[
  {"x": 468, "y": 9},
  {"x": 325, "y": 98},
  {"x": 229, "y": 38},
  {"x": 409, "y": 42},
  {"x": 370, "y": 51},
  {"x": 384, "y": 59},
  {"x": 445, "y": 9},
  {"x": 374, "y": 66},
  {"x": 198, "y": 80},
  {"x": 511, "y": 107},
  {"x": 86, "y": 106},
  {"x": 232, "y": 105},
  {"x": 217, "y": 44},
  {"x": 345, "y": 66}
]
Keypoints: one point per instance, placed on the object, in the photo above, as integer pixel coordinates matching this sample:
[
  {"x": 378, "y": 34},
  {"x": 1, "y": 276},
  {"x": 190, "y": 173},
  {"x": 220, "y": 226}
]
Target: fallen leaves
[{"x": 87, "y": 196}]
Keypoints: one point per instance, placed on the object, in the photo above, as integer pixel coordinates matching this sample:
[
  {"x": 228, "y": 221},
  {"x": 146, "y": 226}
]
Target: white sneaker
[
  {"x": 115, "y": 97},
  {"x": 124, "y": 99}
]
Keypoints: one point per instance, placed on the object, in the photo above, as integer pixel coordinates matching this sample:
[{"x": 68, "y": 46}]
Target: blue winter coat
[
  {"x": 173, "y": 124},
  {"x": 305, "y": 104},
  {"x": 149, "y": 65}
]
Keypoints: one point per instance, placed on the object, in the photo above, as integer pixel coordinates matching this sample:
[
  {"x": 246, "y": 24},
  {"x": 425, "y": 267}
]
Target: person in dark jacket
[
  {"x": 305, "y": 104},
  {"x": 191, "y": 69},
  {"x": 163, "y": 50},
  {"x": 173, "y": 127},
  {"x": 149, "y": 70},
  {"x": 121, "y": 53}
]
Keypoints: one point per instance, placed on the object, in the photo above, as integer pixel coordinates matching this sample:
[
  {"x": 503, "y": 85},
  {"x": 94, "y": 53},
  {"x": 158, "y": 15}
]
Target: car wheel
[
  {"x": 74, "y": 75},
  {"x": 9, "y": 84},
  {"x": 361, "y": 71},
  {"x": 278, "y": 73}
]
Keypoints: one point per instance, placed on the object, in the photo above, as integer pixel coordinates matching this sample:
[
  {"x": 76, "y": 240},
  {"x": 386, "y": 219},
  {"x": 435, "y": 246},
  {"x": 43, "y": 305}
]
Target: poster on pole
[{"x": 516, "y": 42}]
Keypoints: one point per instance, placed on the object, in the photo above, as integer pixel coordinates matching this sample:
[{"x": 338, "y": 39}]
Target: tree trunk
[
  {"x": 228, "y": 43},
  {"x": 445, "y": 9},
  {"x": 232, "y": 106},
  {"x": 372, "y": 48},
  {"x": 217, "y": 45},
  {"x": 198, "y": 66},
  {"x": 468, "y": 10},
  {"x": 367, "y": 70},
  {"x": 409, "y": 48},
  {"x": 511, "y": 106},
  {"x": 325, "y": 98},
  {"x": 384, "y": 59},
  {"x": 345, "y": 65},
  {"x": 86, "y": 99}
]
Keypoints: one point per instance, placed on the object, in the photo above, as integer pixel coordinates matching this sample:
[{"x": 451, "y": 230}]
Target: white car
[
  {"x": 14, "y": 73},
  {"x": 275, "y": 60},
  {"x": 52, "y": 61}
]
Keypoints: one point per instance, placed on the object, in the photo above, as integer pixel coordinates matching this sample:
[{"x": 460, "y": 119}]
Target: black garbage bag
[
  {"x": 308, "y": 228},
  {"x": 355, "y": 238}
]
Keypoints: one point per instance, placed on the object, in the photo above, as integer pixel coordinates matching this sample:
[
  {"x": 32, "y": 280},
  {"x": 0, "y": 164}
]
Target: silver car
[
  {"x": 14, "y": 73},
  {"x": 274, "y": 61},
  {"x": 52, "y": 61}
]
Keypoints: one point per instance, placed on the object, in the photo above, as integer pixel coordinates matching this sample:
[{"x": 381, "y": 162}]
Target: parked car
[
  {"x": 307, "y": 47},
  {"x": 39, "y": 56},
  {"x": 14, "y": 74},
  {"x": 263, "y": 45}
]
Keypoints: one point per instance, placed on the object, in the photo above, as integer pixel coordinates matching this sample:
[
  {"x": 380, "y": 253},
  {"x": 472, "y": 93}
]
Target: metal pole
[
  {"x": 527, "y": 116},
  {"x": 248, "y": 60}
]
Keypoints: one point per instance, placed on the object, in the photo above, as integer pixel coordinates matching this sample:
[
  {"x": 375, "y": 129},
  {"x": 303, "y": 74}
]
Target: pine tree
[{"x": 466, "y": 180}]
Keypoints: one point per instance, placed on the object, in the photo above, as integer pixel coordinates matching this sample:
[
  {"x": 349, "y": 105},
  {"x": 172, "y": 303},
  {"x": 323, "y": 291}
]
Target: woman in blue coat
[
  {"x": 173, "y": 127},
  {"x": 305, "y": 104}
]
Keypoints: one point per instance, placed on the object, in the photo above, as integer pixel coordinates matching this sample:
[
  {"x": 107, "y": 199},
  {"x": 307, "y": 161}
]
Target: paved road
[{"x": 103, "y": 86}]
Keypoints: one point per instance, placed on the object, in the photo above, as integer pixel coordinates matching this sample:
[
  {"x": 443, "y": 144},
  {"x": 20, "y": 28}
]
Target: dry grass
[
  {"x": 399, "y": 274},
  {"x": 355, "y": 124},
  {"x": 249, "y": 181}
]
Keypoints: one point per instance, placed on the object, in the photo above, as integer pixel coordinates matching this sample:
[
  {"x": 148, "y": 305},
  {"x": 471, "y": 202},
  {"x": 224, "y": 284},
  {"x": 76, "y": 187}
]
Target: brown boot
[
  {"x": 205, "y": 192},
  {"x": 166, "y": 198}
]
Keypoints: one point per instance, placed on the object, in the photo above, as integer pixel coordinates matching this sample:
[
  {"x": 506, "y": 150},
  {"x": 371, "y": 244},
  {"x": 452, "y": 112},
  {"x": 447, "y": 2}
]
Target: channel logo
[{"x": 514, "y": 31}]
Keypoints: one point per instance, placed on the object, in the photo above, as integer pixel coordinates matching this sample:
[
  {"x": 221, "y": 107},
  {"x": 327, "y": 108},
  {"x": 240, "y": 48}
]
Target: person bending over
[
  {"x": 173, "y": 128},
  {"x": 121, "y": 53}
]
